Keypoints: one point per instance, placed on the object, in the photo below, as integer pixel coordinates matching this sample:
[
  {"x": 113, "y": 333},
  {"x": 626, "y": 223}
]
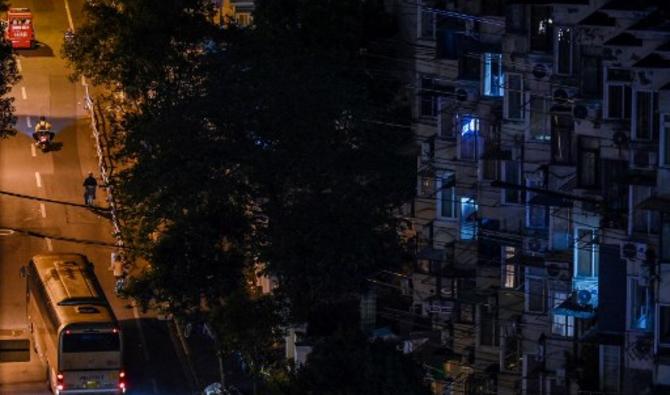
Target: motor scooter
[{"x": 43, "y": 140}]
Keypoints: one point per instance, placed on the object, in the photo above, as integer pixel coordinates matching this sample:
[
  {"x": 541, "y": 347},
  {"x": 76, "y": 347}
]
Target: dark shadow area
[
  {"x": 15, "y": 350},
  {"x": 40, "y": 50},
  {"x": 53, "y": 146}
]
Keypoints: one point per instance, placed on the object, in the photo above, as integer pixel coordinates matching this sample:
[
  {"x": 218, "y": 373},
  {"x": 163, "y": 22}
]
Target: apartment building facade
[{"x": 543, "y": 193}]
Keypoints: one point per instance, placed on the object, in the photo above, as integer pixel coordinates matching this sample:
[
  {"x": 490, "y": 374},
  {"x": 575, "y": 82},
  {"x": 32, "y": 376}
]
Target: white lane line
[
  {"x": 69, "y": 15},
  {"x": 43, "y": 210},
  {"x": 29, "y": 122},
  {"x": 18, "y": 65},
  {"x": 32, "y": 150},
  {"x": 83, "y": 81},
  {"x": 154, "y": 384},
  {"x": 24, "y": 95},
  {"x": 50, "y": 246},
  {"x": 38, "y": 179},
  {"x": 143, "y": 340}
]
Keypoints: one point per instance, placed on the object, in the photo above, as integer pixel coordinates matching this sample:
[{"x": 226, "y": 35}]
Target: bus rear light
[
  {"x": 115, "y": 330},
  {"x": 60, "y": 381},
  {"x": 122, "y": 386},
  {"x": 122, "y": 374}
]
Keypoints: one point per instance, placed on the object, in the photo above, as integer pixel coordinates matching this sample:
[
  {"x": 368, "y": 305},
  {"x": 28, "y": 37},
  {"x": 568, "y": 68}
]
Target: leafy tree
[
  {"x": 347, "y": 364},
  {"x": 328, "y": 165},
  {"x": 135, "y": 45},
  {"x": 9, "y": 76}
]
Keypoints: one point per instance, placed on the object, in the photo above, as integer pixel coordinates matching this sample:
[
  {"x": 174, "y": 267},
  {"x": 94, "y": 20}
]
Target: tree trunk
[{"x": 222, "y": 371}]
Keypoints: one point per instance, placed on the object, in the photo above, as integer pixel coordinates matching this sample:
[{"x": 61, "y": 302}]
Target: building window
[
  {"x": 644, "y": 221},
  {"x": 470, "y": 138},
  {"x": 428, "y": 106},
  {"x": 663, "y": 331},
  {"x": 592, "y": 76},
  {"x": 488, "y": 327},
  {"x": 563, "y": 50},
  {"x": 588, "y": 162},
  {"x": 665, "y": 140},
  {"x": 468, "y": 219},
  {"x": 643, "y": 122},
  {"x": 493, "y": 78},
  {"x": 640, "y": 304},
  {"x": 514, "y": 96},
  {"x": 509, "y": 267},
  {"x": 466, "y": 314},
  {"x": 665, "y": 239},
  {"x": 586, "y": 252},
  {"x": 562, "y": 126},
  {"x": 447, "y": 196},
  {"x": 445, "y": 118},
  {"x": 562, "y": 325},
  {"x": 427, "y": 186},
  {"x": 560, "y": 235},
  {"x": 618, "y": 95},
  {"x": 536, "y": 214},
  {"x": 610, "y": 368},
  {"x": 541, "y": 29},
  {"x": 535, "y": 296},
  {"x": 427, "y": 23},
  {"x": 511, "y": 173},
  {"x": 538, "y": 118}
]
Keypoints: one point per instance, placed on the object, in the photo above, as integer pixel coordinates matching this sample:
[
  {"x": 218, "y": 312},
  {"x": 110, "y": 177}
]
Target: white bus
[{"x": 73, "y": 328}]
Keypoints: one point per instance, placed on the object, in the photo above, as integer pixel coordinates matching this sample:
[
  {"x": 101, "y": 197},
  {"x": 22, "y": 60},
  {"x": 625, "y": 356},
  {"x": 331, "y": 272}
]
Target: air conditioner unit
[
  {"x": 534, "y": 245},
  {"x": 541, "y": 71},
  {"x": 587, "y": 111},
  {"x": 633, "y": 251},
  {"x": 467, "y": 94},
  {"x": 444, "y": 307},
  {"x": 563, "y": 96}
]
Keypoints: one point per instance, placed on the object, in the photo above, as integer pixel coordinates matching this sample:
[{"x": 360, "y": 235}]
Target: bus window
[{"x": 91, "y": 342}]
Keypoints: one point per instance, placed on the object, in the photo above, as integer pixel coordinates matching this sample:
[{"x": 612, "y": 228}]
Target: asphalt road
[{"x": 152, "y": 363}]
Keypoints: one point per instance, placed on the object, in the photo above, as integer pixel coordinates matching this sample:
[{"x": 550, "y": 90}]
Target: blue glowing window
[
  {"x": 468, "y": 218},
  {"x": 493, "y": 77}
]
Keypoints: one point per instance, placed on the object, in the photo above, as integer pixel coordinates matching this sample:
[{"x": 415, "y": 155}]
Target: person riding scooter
[
  {"x": 90, "y": 184},
  {"x": 43, "y": 128}
]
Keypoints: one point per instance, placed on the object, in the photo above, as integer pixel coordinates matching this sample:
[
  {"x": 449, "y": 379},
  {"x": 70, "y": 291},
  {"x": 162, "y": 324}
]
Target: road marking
[
  {"x": 43, "y": 210},
  {"x": 24, "y": 95},
  {"x": 50, "y": 247},
  {"x": 83, "y": 81},
  {"x": 154, "y": 384},
  {"x": 29, "y": 122},
  {"x": 143, "y": 340},
  {"x": 6, "y": 232},
  {"x": 32, "y": 150},
  {"x": 38, "y": 179},
  {"x": 18, "y": 65},
  {"x": 69, "y": 15}
]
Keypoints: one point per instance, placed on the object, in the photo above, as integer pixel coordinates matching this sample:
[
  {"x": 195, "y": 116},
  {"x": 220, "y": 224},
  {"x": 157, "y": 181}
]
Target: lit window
[
  {"x": 509, "y": 267},
  {"x": 470, "y": 138},
  {"x": 640, "y": 304},
  {"x": 541, "y": 29},
  {"x": 493, "y": 78},
  {"x": 468, "y": 218},
  {"x": 562, "y": 325},
  {"x": 586, "y": 252}
]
